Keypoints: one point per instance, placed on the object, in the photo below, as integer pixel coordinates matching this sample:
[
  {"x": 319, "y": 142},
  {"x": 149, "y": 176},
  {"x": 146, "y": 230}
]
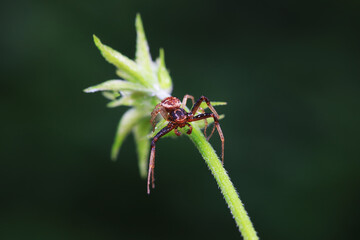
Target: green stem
[{"x": 227, "y": 188}]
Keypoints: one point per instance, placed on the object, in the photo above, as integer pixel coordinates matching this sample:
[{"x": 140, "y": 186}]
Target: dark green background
[{"x": 289, "y": 72}]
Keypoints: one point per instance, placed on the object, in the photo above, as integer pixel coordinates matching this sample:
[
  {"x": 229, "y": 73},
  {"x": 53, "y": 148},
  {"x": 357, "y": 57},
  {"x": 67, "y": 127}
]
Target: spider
[{"x": 172, "y": 110}]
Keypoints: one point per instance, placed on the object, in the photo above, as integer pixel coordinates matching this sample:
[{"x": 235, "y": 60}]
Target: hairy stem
[{"x": 227, "y": 188}]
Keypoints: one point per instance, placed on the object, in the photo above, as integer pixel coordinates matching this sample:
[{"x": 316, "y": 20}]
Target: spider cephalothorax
[{"x": 172, "y": 110}]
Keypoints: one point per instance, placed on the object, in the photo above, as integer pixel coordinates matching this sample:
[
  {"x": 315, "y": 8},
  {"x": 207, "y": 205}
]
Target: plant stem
[{"x": 227, "y": 188}]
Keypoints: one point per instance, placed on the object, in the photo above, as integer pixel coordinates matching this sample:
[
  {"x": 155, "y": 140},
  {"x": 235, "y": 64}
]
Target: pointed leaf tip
[
  {"x": 162, "y": 56},
  {"x": 143, "y": 57},
  {"x": 138, "y": 21},
  {"x": 97, "y": 41},
  {"x": 163, "y": 74},
  {"x": 123, "y": 63}
]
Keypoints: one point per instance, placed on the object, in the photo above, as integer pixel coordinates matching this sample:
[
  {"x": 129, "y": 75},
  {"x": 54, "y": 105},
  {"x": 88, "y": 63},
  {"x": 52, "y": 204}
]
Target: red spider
[{"x": 172, "y": 110}]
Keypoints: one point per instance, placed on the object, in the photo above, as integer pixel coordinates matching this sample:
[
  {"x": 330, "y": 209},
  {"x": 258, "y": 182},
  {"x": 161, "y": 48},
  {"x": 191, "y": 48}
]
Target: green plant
[{"x": 144, "y": 84}]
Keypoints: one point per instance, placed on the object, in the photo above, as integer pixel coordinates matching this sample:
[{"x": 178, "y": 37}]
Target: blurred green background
[{"x": 288, "y": 70}]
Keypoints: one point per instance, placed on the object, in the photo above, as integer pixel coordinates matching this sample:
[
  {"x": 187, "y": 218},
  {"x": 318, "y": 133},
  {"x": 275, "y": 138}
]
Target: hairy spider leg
[
  {"x": 195, "y": 108},
  {"x": 212, "y": 132},
  {"x": 177, "y": 132},
  {"x": 154, "y": 113},
  {"x": 190, "y": 129},
  {"x": 199, "y": 108},
  {"x": 151, "y": 176},
  {"x": 217, "y": 125},
  {"x": 158, "y": 109},
  {"x": 186, "y": 98}
]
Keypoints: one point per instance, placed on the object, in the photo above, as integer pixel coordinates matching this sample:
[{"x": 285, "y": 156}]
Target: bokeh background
[{"x": 289, "y": 71}]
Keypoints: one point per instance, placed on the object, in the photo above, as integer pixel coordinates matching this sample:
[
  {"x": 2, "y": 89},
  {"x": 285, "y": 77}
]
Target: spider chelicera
[{"x": 172, "y": 110}]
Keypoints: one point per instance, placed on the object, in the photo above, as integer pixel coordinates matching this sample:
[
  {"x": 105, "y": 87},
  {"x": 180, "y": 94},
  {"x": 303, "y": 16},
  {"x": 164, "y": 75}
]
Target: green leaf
[
  {"x": 123, "y": 101},
  {"x": 136, "y": 99},
  {"x": 125, "y": 75},
  {"x": 143, "y": 57},
  {"x": 203, "y": 105},
  {"x": 123, "y": 63},
  {"x": 111, "y": 95},
  {"x": 126, "y": 124},
  {"x": 117, "y": 85},
  {"x": 142, "y": 144},
  {"x": 163, "y": 74}
]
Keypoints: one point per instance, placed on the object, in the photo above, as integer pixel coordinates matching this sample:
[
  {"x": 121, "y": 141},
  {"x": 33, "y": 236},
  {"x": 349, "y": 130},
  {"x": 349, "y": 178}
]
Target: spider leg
[
  {"x": 151, "y": 176},
  {"x": 206, "y": 125},
  {"x": 212, "y": 131},
  {"x": 199, "y": 108},
  {"x": 164, "y": 113},
  {"x": 217, "y": 125},
  {"x": 158, "y": 109},
  {"x": 190, "y": 129},
  {"x": 154, "y": 113},
  {"x": 183, "y": 105},
  {"x": 177, "y": 132},
  {"x": 197, "y": 105}
]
